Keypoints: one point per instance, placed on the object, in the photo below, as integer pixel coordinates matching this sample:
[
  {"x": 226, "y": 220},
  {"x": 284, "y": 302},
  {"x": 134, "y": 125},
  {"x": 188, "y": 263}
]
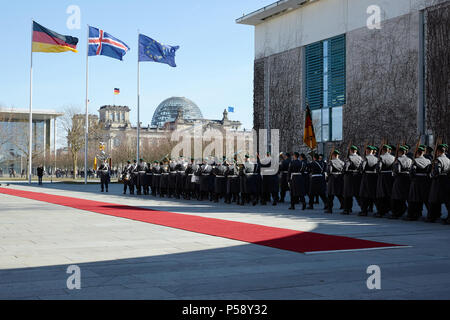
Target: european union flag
[
  {"x": 152, "y": 50},
  {"x": 230, "y": 109}
]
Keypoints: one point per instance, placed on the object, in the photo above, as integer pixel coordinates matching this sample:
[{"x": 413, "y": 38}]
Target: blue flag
[
  {"x": 102, "y": 43},
  {"x": 151, "y": 50},
  {"x": 230, "y": 109}
]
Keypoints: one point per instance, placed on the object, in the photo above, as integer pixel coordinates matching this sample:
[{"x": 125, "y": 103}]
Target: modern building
[
  {"x": 369, "y": 70},
  {"x": 14, "y": 138}
]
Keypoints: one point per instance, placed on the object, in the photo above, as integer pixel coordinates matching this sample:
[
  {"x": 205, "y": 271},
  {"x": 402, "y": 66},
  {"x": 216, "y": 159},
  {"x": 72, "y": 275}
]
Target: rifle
[
  {"x": 381, "y": 148},
  {"x": 417, "y": 147},
  {"x": 433, "y": 165},
  {"x": 396, "y": 151},
  {"x": 365, "y": 147}
]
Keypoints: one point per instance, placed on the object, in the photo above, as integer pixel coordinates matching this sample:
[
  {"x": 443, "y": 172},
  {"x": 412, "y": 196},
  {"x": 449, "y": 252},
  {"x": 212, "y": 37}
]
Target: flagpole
[
  {"x": 138, "y": 105},
  {"x": 86, "y": 132},
  {"x": 30, "y": 147}
]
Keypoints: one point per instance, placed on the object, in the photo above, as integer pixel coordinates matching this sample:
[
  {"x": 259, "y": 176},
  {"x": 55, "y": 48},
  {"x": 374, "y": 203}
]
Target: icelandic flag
[
  {"x": 102, "y": 43},
  {"x": 152, "y": 50},
  {"x": 230, "y": 109}
]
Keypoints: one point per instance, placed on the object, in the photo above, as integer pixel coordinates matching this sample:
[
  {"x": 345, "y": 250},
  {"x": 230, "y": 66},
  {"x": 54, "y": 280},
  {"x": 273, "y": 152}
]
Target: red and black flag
[
  {"x": 309, "y": 137},
  {"x": 45, "y": 40}
]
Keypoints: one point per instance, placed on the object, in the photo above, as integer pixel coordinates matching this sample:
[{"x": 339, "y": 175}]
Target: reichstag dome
[{"x": 167, "y": 111}]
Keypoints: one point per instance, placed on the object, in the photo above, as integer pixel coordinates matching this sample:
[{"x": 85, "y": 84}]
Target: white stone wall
[{"x": 324, "y": 19}]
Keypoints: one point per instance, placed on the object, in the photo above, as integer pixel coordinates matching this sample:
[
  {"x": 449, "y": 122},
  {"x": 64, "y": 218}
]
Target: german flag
[
  {"x": 45, "y": 40},
  {"x": 309, "y": 137}
]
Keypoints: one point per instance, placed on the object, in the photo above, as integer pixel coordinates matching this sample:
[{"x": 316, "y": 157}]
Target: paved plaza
[{"x": 126, "y": 259}]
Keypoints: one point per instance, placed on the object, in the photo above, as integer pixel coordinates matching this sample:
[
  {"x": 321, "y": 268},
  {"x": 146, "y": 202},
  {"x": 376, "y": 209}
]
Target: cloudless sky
[{"x": 214, "y": 62}]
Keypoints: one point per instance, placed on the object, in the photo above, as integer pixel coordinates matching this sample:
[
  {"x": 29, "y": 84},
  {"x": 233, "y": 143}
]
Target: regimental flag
[
  {"x": 309, "y": 137},
  {"x": 152, "y": 50},
  {"x": 102, "y": 43},
  {"x": 45, "y": 40},
  {"x": 116, "y": 91}
]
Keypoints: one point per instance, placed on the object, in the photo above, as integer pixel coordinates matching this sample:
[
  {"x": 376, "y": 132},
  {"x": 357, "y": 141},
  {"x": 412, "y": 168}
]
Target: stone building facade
[{"x": 364, "y": 82}]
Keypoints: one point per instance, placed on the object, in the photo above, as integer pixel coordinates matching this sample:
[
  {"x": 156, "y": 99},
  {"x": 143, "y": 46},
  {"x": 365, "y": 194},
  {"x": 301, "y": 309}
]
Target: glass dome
[{"x": 167, "y": 111}]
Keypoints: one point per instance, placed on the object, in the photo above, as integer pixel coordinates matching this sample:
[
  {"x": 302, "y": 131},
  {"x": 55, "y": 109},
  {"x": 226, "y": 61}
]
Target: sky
[{"x": 214, "y": 62}]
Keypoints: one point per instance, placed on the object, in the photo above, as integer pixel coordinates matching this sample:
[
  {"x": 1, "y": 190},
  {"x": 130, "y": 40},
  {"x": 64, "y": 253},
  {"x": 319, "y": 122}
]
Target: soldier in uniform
[
  {"x": 335, "y": 186},
  {"x": 440, "y": 185},
  {"x": 206, "y": 172},
  {"x": 140, "y": 171},
  {"x": 317, "y": 183},
  {"x": 232, "y": 175},
  {"x": 385, "y": 181},
  {"x": 352, "y": 179},
  {"x": 164, "y": 181},
  {"x": 156, "y": 178},
  {"x": 429, "y": 153},
  {"x": 188, "y": 181},
  {"x": 220, "y": 180},
  {"x": 297, "y": 181},
  {"x": 134, "y": 174},
  {"x": 251, "y": 173},
  {"x": 420, "y": 185},
  {"x": 172, "y": 178},
  {"x": 368, "y": 189},
  {"x": 104, "y": 175},
  {"x": 148, "y": 178},
  {"x": 198, "y": 167},
  {"x": 180, "y": 178},
  {"x": 126, "y": 178},
  {"x": 284, "y": 167},
  {"x": 270, "y": 180},
  {"x": 400, "y": 188}
]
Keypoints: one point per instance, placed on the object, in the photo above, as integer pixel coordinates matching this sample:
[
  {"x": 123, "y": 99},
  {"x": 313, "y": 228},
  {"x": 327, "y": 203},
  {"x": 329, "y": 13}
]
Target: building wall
[
  {"x": 382, "y": 71},
  {"x": 324, "y": 19},
  {"x": 382, "y": 82},
  {"x": 437, "y": 61}
]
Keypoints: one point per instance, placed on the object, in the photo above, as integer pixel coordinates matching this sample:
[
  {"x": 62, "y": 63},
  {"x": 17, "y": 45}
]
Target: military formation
[{"x": 397, "y": 184}]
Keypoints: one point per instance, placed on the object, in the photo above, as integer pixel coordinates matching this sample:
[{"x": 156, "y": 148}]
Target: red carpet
[{"x": 293, "y": 240}]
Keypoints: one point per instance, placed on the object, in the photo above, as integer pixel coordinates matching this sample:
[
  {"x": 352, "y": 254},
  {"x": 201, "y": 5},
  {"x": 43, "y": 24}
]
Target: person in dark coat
[
  {"x": 400, "y": 188},
  {"x": 104, "y": 175},
  {"x": 188, "y": 182},
  {"x": 420, "y": 185},
  {"x": 296, "y": 180},
  {"x": 140, "y": 177},
  {"x": 352, "y": 179},
  {"x": 270, "y": 180},
  {"x": 335, "y": 186},
  {"x": 127, "y": 178},
  {"x": 156, "y": 178},
  {"x": 40, "y": 173},
  {"x": 180, "y": 179},
  {"x": 440, "y": 185},
  {"x": 205, "y": 179},
  {"x": 385, "y": 181},
  {"x": 284, "y": 179},
  {"x": 148, "y": 178},
  {"x": 317, "y": 183},
  {"x": 252, "y": 183},
  {"x": 233, "y": 188},
  {"x": 172, "y": 180},
  {"x": 368, "y": 188},
  {"x": 220, "y": 181},
  {"x": 164, "y": 181},
  {"x": 428, "y": 153}
]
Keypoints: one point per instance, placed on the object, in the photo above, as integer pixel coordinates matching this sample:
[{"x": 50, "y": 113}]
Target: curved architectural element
[{"x": 168, "y": 110}]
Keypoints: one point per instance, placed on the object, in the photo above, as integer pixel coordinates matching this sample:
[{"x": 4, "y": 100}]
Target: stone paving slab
[{"x": 125, "y": 259}]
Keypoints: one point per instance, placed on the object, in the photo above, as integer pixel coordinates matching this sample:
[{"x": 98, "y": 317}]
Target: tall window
[{"x": 325, "y": 86}]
